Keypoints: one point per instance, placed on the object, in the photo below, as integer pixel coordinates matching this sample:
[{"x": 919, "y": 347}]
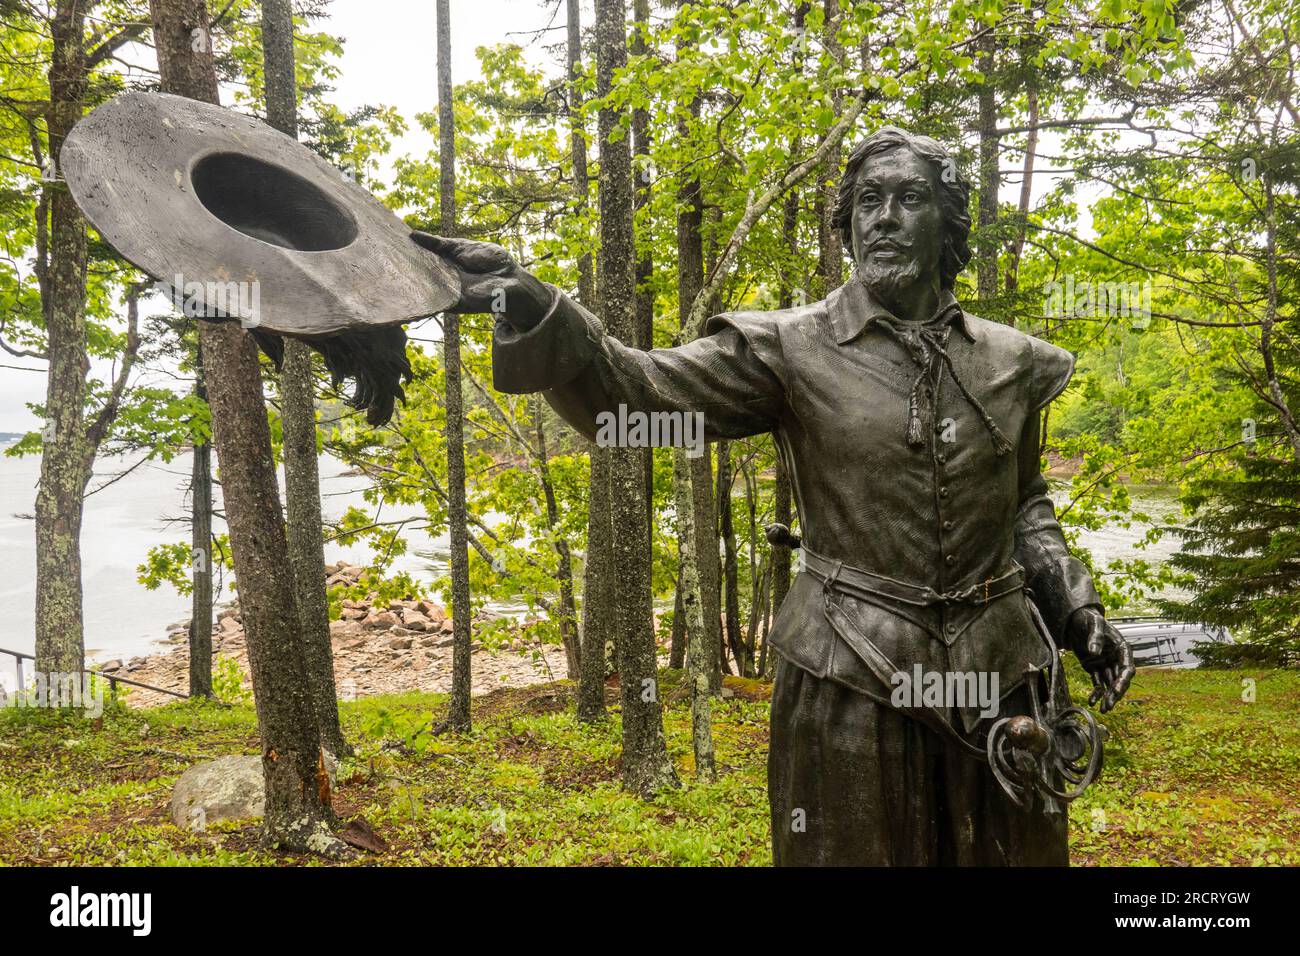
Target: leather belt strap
[
  {"x": 856, "y": 582},
  {"x": 838, "y": 577}
]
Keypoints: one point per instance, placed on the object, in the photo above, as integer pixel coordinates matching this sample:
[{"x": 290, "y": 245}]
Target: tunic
[{"x": 913, "y": 456}]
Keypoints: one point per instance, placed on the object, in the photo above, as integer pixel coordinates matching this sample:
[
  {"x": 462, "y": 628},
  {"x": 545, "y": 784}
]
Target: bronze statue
[
  {"x": 929, "y": 546},
  {"x": 919, "y": 715}
]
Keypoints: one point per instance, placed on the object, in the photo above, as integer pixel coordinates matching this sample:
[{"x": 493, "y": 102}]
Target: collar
[{"x": 853, "y": 308}]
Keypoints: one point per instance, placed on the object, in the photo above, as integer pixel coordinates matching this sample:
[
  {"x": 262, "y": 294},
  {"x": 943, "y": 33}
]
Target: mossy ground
[{"x": 1194, "y": 775}]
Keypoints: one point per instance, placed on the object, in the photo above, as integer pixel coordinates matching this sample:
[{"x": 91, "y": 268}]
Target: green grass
[{"x": 1194, "y": 775}]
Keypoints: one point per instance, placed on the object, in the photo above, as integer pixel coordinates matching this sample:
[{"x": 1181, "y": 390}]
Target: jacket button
[
  {"x": 941, "y": 458},
  {"x": 943, "y": 491},
  {"x": 951, "y": 559},
  {"x": 947, "y": 526},
  {"x": 951, "y": 628}
]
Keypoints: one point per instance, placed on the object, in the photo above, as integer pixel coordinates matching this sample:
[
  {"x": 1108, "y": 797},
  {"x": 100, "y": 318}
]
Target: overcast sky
[{"x": 388, "y": 59}]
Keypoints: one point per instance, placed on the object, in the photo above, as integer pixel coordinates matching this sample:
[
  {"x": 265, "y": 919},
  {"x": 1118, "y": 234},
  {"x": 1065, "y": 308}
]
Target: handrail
[{"x": 113, "y": 680}]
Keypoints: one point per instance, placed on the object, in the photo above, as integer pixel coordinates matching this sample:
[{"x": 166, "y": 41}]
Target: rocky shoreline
[{"x": 399, "y": 646}]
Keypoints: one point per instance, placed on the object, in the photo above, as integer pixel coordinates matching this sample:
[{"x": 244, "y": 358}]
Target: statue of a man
[{"x": 910, "y": 432}]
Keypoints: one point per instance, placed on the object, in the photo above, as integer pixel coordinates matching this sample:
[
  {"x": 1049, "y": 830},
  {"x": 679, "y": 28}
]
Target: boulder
[
  {"x": 431, "y": 611},
  {"x": 339, "y": 630},
  {"x": 382, "y": 619},
  {"x": 415, "y": 621},
  {"x": 398, "y": 643},
  {"x": 228, "y": 788}
]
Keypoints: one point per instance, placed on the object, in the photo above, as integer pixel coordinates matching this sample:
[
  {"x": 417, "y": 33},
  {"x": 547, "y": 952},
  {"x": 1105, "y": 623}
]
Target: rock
[
  {"x": 382, "y": 619},
  {"x": 113, "y": 665},
  {"x": 228, "y": 788},
  {"x": 415, "y": 621},
  {"x": 431, "y": 611},
  {"x": 344, "y": 629},
  {"x": 229, "y": 625},
  {"x": 398, "y": 643},
  {"x": 229, "y": 612},
  {"x": 446, "y": 626}
]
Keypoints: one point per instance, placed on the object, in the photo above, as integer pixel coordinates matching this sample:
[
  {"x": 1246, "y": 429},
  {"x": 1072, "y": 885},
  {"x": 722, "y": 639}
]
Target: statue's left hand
[{"x": 1104, "y": 654}]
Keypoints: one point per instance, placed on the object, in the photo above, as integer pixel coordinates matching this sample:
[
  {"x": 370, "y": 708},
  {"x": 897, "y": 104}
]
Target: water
[
  {"x": 122, "y": 522},
  {"x": 126, "y": 518},
  {"x": 1114, "y": 542}
]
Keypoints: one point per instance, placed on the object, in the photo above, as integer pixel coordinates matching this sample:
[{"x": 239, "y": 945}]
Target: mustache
[{"x": 888, "y": 242}]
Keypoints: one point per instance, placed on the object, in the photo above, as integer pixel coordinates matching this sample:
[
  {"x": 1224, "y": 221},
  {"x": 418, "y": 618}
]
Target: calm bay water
[
  {"x": 128, "y": 517},
  {"x": 122, "y": 522}
]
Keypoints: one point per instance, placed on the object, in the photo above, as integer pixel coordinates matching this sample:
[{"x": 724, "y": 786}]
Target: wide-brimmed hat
[
  {"x": 235, "y": 220},
  {"x": 255, "y": 225}
]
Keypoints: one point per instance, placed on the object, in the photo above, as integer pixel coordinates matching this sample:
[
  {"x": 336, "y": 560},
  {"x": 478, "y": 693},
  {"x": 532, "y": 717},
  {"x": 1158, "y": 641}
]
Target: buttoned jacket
[{"x": 837, "y": 386}]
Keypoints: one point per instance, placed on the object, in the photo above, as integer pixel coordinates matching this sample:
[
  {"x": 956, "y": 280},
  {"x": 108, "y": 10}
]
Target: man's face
[{"x": 897, "y": 223}]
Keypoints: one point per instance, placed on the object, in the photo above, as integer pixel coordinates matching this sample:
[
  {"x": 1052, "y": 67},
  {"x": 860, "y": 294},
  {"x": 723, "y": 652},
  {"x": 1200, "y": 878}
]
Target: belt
[
  {"x": 858, "y": 583},
  {"x": 1066, "y": 744},
  {"x": 838, "y": 577}
]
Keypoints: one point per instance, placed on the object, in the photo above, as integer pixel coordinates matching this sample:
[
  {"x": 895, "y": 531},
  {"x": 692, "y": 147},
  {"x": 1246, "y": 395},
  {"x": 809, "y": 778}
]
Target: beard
[{"x": 886, "y": 281}]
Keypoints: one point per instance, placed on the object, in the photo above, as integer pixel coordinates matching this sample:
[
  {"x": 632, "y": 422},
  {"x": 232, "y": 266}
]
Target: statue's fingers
[
  {"x": 1097, "y": 688},
  {"x": 453, "y": 249},
  {"x": 1127, "y": 669},
  {"x": 1108, "y": 691},
  {"x": 1096, "y": 636}
]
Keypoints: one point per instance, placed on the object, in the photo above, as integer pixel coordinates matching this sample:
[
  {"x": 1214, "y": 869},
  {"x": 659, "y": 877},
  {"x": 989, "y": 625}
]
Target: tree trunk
[
  {"x": 598, "y": 631},
  {"x": 298, "y": 413},
  {"x": 701, "y": 726},
  {"x": 65, "y": 457},
  {"x": 986, "y": 254},
  {"x": 677, "y": 644},
  {"x": 596, "y": 648},
  {"x": 568, "y": 612},
  {"x": 458, "y": 715},
  {"x": 830, "y": 247},
  {"x": 647, "y": 768},
  {"x": 298, "y": 810},
  {"x": 730, "y": 571},
  {"x": 644, "y": 295},
  {"x": 690, "y": 279},
  {"x": 1026, "y": 185},
  {"x": 782, "y": 514},
  {"x": 201, "y": 549},
  {"x": 578, "y": 147}
]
